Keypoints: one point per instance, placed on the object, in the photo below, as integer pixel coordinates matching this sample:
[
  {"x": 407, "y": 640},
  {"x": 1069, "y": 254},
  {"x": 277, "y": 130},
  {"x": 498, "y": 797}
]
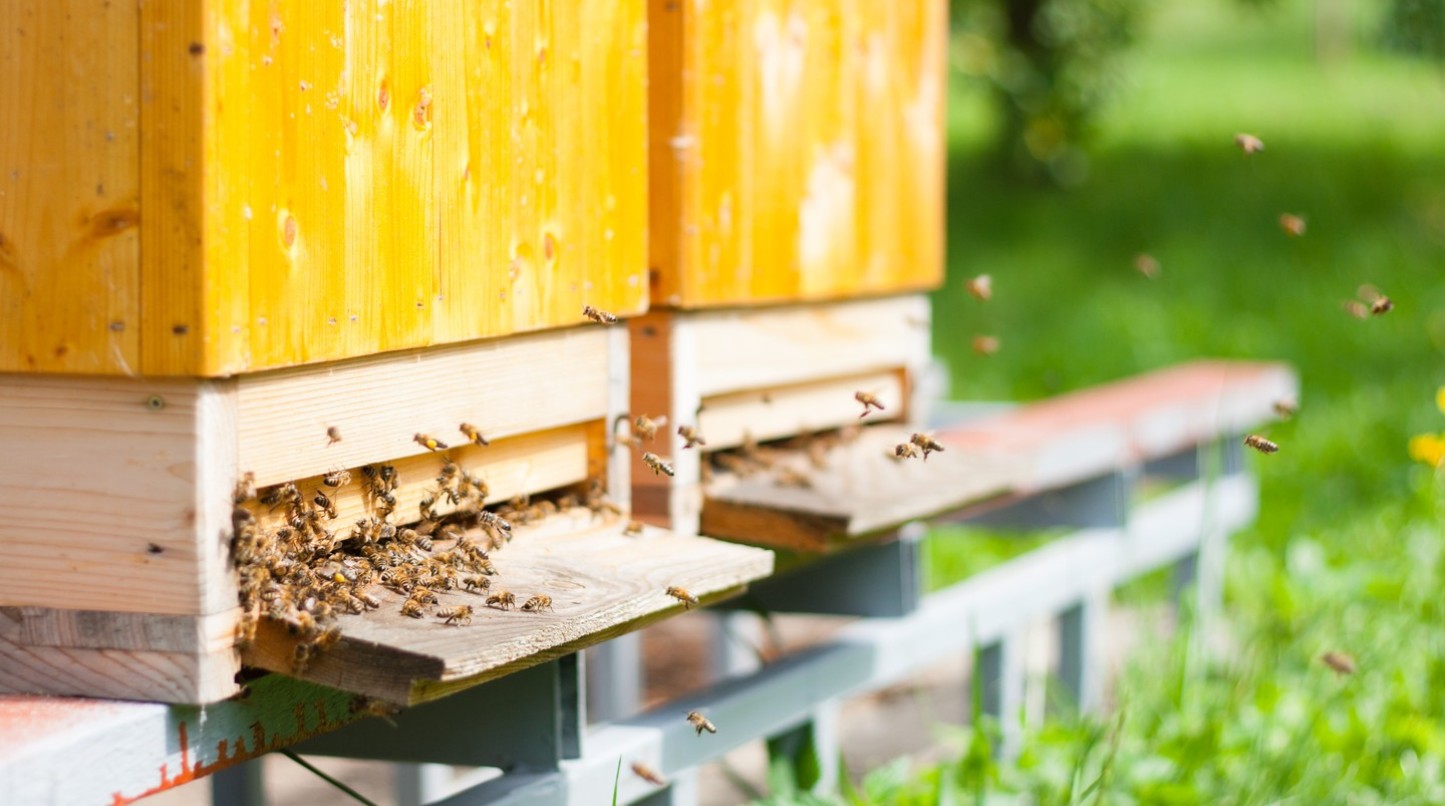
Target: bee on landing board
[
  {"x": 1260, "y": 444},
  {"x": 537, "y": 604},
  {"x": 412, "y": 608},
  {"x": 599, "y": 316},
  {"x": 682, "y": 595},
  {"x": 429, "y": 442},
  {"x": 648, "y": 774},
  {"x": 476, "y": 582},
  {"x": 927, "y": 443},
  {"x": 633, "y": 528},
  {"x": 502, "y": 600},
  {"x": 474, "y": 434},
  {"x": 459, "y": 615},
  {"x": 691, "y": 435},
  {"x": 980, "y": 287},
  {"x": 700, "y": 722},
  {"x": 657, "y": 464},
  {"x": 869, "y": 401},
  {"x": 325, "y": 504}
]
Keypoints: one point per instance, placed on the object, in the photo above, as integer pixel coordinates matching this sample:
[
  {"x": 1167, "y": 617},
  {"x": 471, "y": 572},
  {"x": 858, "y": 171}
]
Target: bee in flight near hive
[
  {"x": 657, "y": 464},
  {"x": 494, "y": 522},
  {"x": 502, "y": 600},
  {"x": 906, "y": 450},
  {"x": 691, "y": 435},
  {"x": 682, "y": 595},
  {"x": 869, "y": 401},
  {"x": 700, "y": 722},
  {"x": 985, "y": 345},
  {"x": 537, "y": 604},
  {"x": 1378, "y": 303},
  {"x": 1286, "y": 409},
  {"x": 474, "y": 434},
  {"x": 980, "y": 287},
  {"x": 461, "y": 614},
  {"x": 1248, "y": 143},
  {"x": 1342, "y": 664},
  {"x": 789, "y": 477},
  {"x": 336, "y": 478},
  {"x": 644, "y": 427},
  {"x": 333, "y": 435},
  {"x": 429, "y": 442},
  {"x": 1260, "y": 444},
  {"x": 1293, "y": 225},
  {"x": 927, "y": 443},
  {"x": 599, "y": 316},
  {"x": 648, "y": 774},
  {"x": 1146, "y": 265}
]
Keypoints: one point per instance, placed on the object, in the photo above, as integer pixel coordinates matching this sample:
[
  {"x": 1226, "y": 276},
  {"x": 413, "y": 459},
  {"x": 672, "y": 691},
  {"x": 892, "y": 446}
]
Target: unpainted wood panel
[{"x": 69, "y": 187}]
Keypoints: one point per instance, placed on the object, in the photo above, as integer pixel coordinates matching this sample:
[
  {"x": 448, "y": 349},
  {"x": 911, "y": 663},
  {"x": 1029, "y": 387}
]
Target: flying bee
[
  {"x": 474, "y": 434},
  {"x": 599, "y": 316},
  {"x": 333, "y": 435},
  {"x": 461, "y": 614},
  {"x": 1355, "y": 308},
  {"x": 429, "y": 442},
  {"x": 1248, "y": 143},
  {"x": 1379, "y": 303},
  {"x": 412, "y": 608},
  {"x": 691, "y": 435},
  {"x": 1293, "y": 225},
  {"x": 633, "y": 528},
  {"x": 906, "y": 450},
  {"x": 502, "y": 600},
  {"x": 789, "y": 477},
  {"x": 1286, "y": 409},
  {"x": 1260, "y": 444},
  {"x": 325, "y": 504},
  {"x": 682, "y": 595},
  {"x": 648, "y": 774},
  {"x": 290, "y": 494},
  {"x": 537, "y": 604},
  {"x": 336, "y": 478},
  {"x": 1146, "y": 265},
  {"x": 657, "y": 464},
  {"x": 702, "y": 723},
  {"x": 927, "y": 443},
  {"x": 1342, "y": 663},
  {"x": 985, "y": 345},
  {"x": 245, "y": 488},
  {"x": 646, "y": 427},
  {"x": 980, "y": 287},
  {"x": 476, "y": 582},
  {"x": 495, "y": 522},
  {"x": 869, "y": 401}
]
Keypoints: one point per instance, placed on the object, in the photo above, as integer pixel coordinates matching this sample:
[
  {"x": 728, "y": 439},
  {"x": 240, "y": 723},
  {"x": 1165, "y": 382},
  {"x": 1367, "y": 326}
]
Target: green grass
[{"x": 1348, "y": 553}]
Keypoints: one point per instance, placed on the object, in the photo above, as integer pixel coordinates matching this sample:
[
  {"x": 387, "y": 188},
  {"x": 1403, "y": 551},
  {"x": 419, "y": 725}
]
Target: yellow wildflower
[
  {"x": 1440, "y": 399},
  {"x": 1427, "y": 448}
]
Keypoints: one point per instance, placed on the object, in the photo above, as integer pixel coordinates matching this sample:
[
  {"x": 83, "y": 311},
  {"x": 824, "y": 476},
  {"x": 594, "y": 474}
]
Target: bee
[
  {"x": 1248, "y": 143},
  {"x": 289, "y": 494},
  {"x": 700, "y": 722},
  {"x": 476, "y": 582},
  {"x": 270, "y": 497},
  {"x": 495, "y": 522},
  {"x": 633, "y": 528},
  {"x": 1293, "y": 225},
  {"x": 599, "y": 316},
  {"x": 648, "y": 774},
  {"x": 366, "y": 706},
  {"x": 333, "y": 435},
  {"x": 301, "y": 657},
  {"x": 1355, "y": 308},
  {"x": 788, "y": 477},
  {"x": 423, "y": 595},
  {"x": 412, "y": 608},
  {"x": 336, "y": 478},
  {"x": 474, "y": 434},
  {"x": 657, "y": 464},
  {"x": 691, "y": 435},
  {"x": 985, "y": 345},
  {"x": 325, "y": 504},
  {"x": 980, "y": 287},
  {"x": 1260, "y": 444},
  {"x": 369, "y": 599},
  {"x": 905, "y": 450},
  {"x": 537, "y": 604},
  {"x": 245, "y": 488},
  {"x": 869, "y": 401},
  {"x": 502, "y": 600},
  {"x": 1339, "y": 661},
  {"x": 645, "y": 427},
  {"x": 1146, "y": 265},
  {"x": 461, "y": 614},
  {"x": 1286, "y": 409},
  {"x": 682, "y": 595},
  {"x": 428, "y": 442},
  {"x": 927, "y": 443},
  {"x": 1379, "y": 303}
]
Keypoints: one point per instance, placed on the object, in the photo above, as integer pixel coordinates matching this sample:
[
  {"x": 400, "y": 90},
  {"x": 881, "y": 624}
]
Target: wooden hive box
[
  {"x": 797, "y": 189},
  {"x": 280, "y": 240}
]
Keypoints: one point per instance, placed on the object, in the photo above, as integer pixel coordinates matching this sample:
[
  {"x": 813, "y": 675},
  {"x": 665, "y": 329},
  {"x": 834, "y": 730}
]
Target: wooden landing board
[
  {"x": 862, "y": 489},
  {"x": 602, "y": 583}
]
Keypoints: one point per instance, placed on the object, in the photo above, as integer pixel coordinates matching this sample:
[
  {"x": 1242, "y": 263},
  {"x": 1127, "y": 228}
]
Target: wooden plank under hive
[{"x": 204, "y": 189}]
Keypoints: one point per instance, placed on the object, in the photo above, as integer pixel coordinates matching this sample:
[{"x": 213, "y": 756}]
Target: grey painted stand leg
[
  {"x": 240, "y": 785},
  {"x": 1081, "y": 650},
  {"x": 614, "y": 678},
  {"x": 999, "y": 670},
  {"x": 417, "y": 784},
  {"x": 736, "y": 637}
]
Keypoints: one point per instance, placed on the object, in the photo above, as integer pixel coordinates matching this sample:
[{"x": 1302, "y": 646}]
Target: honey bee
[
  {"x": 336, "y": 478},
  {"x": 700, "y": 722},
  {"x": 474, "y": 434},
  {"x": 461, "y": 614},
  {"x": 789, "y": 477},
  {"x": 1286, "y": 409},
  {"x": 1379, "y": 303},
  {"x": 657, "y": 464},
  {"x": 428, "y": 442},
  {"x": 633, "y": 528},
  {"x": 682, "y": 595},
  {"x": 245, "y": 488},
  {"x": 476, "y": 582},
  {"x": 1260, "y": 444},
  {"x": 869, "y": 401},
  {"x": 423, "y": 594},
  {"x": 985, "y": 345},
  {"x": 927, "y": 443},
  {"x": 1293, "y": 225},
  {"x": 270, "y": 497},
  {"x": 1248, "y": 143},
  {"x": 1355, "y": 308},
  {"x": 493, "y": 521},
  {"x": 537, "y": 604},
  {"x": 980, "y": 287},
  {"x": 599, "y": 316},
  {"x": 1342, "y": 663},
  {"x": 1146, "y": 265},
  {"x": 412, "y": 608},
  {"x": 502, "y": 600},
  {"x": 325, "y": 504},
  {"x": 691, "y": 435},
  {"x": 301, "y": 656},
  {"x": 645, "y": 427},
  {"x": 333, "y": 435},
  {"x": 648, "y": 774}
]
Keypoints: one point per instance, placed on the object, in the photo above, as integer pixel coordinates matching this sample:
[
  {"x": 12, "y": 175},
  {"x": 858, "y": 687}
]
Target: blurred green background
[{"x": 1066, "y": 165}]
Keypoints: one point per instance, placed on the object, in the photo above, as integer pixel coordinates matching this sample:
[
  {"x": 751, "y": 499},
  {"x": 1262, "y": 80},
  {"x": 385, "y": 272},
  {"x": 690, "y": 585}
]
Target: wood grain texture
[
  {"x": 121, "y": 500},
  {"x": 798, "y": 149},
  {"x": 102, "y": 629},
  {"x": 70, "y": 187},
  {"x": 505, "y": 387},
  {"x": 601, "y": 581}
]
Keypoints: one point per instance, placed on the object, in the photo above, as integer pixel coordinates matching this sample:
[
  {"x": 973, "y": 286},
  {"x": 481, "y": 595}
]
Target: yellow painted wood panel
[
  {"x": 798, "y": 149},
  {"x": 288, "y": 183},
  {"x": 69, "y": 187}
]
